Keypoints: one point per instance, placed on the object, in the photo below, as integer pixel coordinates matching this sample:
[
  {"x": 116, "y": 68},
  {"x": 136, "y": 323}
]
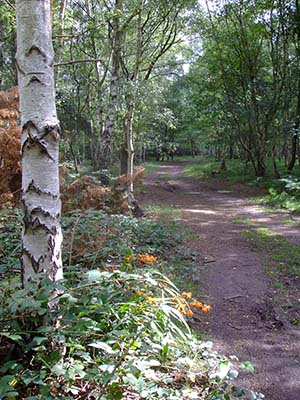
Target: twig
[
  {"x": 79, "y": 61},
  {"x": 234, "y": 297},
  {"x": 235, "y": 327},
  {"x": 211, "y": 260}
]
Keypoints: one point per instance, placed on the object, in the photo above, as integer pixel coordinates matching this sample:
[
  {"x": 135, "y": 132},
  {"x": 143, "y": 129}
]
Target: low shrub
[
  {"x": 112, "y": 335},
  {"x": 285, "y": 194},
  {"x": 115, "y": 328}
]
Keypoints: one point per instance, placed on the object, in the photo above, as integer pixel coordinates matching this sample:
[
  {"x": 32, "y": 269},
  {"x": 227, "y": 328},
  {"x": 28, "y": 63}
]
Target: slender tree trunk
[
  {"x": 131, "y": 102},
  {"x": 298, "y": 153},
  {"x": 261, "y": 152},
  {"x": 275, "y": 168},
  {"x": 295, "y": 139},
  {"x": 108, "y": 131},
  {"x": 249, "y": 153},
  {"x": 261, "y": 167},
  {"x": 192, "y": 148},
  {"x": 294, "y": 144},
  {"x": 60, "y": 40},
  {"x": 41, "y": 236},
  {"x": 129, "y": 143}
]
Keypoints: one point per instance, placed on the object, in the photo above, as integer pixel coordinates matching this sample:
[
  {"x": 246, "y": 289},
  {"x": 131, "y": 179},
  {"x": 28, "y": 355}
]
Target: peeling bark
[{"x": 41, "y": 235}]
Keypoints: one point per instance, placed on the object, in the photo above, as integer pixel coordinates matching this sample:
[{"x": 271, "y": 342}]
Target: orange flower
[
  {"x": 199, "y": 304},
  {"x": 179, "y": 300},
  {"x": 206, "y": 308},
  {"x": 139, "y": 293},
  {"x": 193, "y": 304},
  {"x": 180, "y": 307},
  {"x": 189, "y": 313},
  {"x": 187, "y": 295},
  {"x": 146, "y": 258},
  {"x": 129, "y": 258},
  {"x": 151, "y": 300}
]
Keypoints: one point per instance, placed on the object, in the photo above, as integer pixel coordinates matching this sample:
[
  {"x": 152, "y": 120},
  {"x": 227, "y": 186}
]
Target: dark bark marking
[
  {"x": 38, "y": 50},
  {"x": 33, "y": 188},
  {"x": 35, "y": 264},
  {"x": 34, "y": 224},
  {"x": 33, "y": 79},
  {"x": 45, "y": 213},
  {"x": 35, "y": 136},
  {"x": 54, "y": 130}
]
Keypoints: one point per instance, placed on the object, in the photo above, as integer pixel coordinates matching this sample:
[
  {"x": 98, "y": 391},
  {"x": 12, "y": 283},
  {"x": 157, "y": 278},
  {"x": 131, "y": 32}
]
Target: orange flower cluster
[
  {"x": 185, "y": 308},
  {"x": 147, "y": 258},
  {"x": 182, "y": 305},
  {"x": 151, "y": 300},
  {"x": 143, "y": 258},
  {"x": 206, "y": 308},
  {"x": 129, "y": 258}
]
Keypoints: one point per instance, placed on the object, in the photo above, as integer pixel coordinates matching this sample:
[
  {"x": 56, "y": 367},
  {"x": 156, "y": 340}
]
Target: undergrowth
[
  {"x": 116, "y": 326},
  {"x": 282, "y": 266},
  {"x": 280, "y": 193},
  {"x": 283, "y": 258}
]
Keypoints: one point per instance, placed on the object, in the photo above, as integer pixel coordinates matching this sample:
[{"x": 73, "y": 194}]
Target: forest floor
[{"x": 256, "y": 309}]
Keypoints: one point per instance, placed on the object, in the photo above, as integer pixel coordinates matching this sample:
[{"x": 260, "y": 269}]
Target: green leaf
[
  {"x": 94, "y": 276},
  {"x": 102, "y": 346},
  {"x": 13, "y": 337},
  {"x": 247, "y": 365},
  {"x": 7, "y": 384},
  {"x": 58, "y": 370}
]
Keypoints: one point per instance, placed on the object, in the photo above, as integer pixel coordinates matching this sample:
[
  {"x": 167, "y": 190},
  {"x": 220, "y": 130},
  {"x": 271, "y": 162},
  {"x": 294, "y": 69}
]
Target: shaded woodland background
[{"x": 156, "y": 79}]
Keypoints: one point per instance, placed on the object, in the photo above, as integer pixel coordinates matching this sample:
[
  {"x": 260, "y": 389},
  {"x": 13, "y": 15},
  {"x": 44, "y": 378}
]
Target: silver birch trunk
[
  {"x": 41, "y": 235},
  {"x": 108, "y": 131},
  {"x": 132, "y": 100},
  {"x": 129, "y": 143}
]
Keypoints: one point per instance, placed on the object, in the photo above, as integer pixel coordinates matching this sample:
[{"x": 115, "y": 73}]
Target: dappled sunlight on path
[{"x": 245, "y": 320}]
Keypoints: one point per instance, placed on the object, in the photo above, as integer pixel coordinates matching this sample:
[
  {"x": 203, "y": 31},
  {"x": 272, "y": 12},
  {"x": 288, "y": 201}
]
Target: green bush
[
  {"x": 286, "y": 194},
  {"x": 110, "y": 336},
  {"x": 115, "y": 328}
]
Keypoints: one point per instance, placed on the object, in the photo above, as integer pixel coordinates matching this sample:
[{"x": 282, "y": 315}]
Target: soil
[{"x": 247, "y": 319}]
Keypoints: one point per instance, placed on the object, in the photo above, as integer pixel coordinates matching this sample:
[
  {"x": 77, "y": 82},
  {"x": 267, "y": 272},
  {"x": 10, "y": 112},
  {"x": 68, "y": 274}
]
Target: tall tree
[
  {"x": 157, "y": 29},
  {"x": 295, "y": 130},
  {"x": 108, "y": 131},
  {"x": 41, "y": 235}
]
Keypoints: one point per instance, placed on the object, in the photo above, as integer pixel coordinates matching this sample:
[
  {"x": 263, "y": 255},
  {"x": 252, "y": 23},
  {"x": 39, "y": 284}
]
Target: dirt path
[{"x": 244, "y": 321}]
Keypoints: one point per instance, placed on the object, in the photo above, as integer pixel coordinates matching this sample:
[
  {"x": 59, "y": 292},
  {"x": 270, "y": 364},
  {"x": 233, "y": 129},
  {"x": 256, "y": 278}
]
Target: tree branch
[{"x": 79, "y": 61}]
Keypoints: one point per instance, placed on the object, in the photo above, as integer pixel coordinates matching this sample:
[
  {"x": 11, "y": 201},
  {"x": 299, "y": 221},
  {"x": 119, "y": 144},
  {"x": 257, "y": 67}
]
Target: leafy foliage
[
  {"x": 286, "y": 194},
  {"x": 115, "y": 327},
  {"x": 10, "y": 235},
  {"x": 101, "y": 339},
  {"x": 281, "y": 193}
]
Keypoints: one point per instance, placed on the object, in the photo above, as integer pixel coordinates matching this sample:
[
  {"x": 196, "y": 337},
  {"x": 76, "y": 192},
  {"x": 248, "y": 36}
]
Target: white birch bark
[
  {"x": 132, "y": 101},
  {"x": 41, "y": 236}
]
